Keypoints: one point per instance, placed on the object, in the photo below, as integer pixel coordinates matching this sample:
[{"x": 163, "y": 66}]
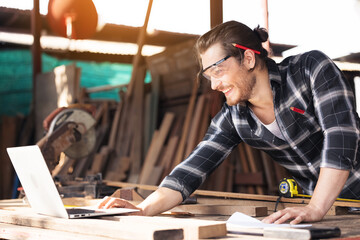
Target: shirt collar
[{"x": 274, "y": 74}]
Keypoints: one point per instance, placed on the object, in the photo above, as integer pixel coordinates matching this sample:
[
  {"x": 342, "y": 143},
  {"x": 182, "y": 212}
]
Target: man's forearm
[
  {"x": 163, "y": 199},
  {"x": 330, "y": 183}
]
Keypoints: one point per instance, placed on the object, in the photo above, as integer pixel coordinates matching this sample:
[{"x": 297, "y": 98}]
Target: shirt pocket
[{"x": 302, "y": 125}]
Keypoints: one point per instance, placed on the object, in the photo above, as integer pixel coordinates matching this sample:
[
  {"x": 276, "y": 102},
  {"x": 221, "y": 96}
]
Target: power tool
[{"x": 70, "y": 130}]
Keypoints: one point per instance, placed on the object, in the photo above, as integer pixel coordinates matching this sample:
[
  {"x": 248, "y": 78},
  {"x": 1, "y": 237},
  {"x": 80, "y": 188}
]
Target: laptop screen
[{"x": 36, "y": 180}]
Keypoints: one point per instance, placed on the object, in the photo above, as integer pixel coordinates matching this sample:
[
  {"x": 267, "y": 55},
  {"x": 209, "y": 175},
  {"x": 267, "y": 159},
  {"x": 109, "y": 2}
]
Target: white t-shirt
[{"x": 272, "y": 127}]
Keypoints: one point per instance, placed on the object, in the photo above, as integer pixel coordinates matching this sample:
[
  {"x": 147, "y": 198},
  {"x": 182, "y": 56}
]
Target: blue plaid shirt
[{"x": 326, "y": 134}]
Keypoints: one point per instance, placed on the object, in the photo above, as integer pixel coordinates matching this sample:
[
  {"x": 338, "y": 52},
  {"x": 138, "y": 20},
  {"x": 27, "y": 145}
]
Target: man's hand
[
  {"x": 159, "y": 201},
  {"x": 309, "y": 213},
  {"x": 111, "y": 202},
  {"x": 328, "y": 187}
]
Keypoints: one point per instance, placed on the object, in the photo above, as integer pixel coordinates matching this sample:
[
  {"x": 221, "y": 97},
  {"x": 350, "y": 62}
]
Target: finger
[
  {"x": 273, "y": 217},
  {"x": 119, "y": 203},
  {"x": 103, "y": 202},
  {"x": 283, "y": 218},
  {"x": 115, "y": 202},
  {"x": 297, "y": 220}
]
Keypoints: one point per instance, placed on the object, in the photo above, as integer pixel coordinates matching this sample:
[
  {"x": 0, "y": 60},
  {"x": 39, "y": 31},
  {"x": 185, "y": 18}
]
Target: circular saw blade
[
  {"x": 84, "y": 147},
  {"x": 86, "y": 127}
]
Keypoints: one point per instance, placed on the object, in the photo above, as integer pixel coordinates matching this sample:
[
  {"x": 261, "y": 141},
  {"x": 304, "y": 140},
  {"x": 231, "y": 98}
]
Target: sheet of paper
[{"x": 242, "y": 220}]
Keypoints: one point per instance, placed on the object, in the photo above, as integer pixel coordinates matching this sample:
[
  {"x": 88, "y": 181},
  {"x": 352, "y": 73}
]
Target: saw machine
[{"x": 70, "y": 130}]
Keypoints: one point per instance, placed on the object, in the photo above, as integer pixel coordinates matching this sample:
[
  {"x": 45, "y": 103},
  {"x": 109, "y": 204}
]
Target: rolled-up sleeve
[
  {"x": 335, "y": 109},
  {"x": 219, "y": 141}
]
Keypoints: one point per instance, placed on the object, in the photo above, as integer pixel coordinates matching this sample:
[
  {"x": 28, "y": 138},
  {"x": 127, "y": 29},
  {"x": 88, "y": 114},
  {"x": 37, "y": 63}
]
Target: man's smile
[{"x": 226, "y": 91}]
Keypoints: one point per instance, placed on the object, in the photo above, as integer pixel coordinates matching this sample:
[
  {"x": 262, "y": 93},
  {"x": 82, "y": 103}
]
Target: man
[{"x": 301, "y": 112}]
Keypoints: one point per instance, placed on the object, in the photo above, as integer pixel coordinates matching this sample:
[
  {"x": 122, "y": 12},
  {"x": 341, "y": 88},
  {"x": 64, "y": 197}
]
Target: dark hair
[{"x": 233, "y": 32}]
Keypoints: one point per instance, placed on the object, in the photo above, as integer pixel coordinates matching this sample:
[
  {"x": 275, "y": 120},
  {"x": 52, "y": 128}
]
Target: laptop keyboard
[{"x": 79, "y": 210}]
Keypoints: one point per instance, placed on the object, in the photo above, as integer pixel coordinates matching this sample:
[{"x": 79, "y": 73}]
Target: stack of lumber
[{"x": 144, "y": 136}]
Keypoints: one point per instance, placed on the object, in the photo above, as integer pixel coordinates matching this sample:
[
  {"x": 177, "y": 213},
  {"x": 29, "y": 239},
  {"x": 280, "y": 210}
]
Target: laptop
[{"x": 40, "y": 188}]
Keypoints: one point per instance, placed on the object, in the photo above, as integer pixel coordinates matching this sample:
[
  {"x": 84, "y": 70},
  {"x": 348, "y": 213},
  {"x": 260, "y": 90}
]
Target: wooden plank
[
  {"x": 195, "y": 125},
  {"x": 168, "y": 156},
  {"x": 269, "y": 173},
  {"x": 93, "y": 227},
  {"x": 210, "y": 209},
  {"x": 151, "y": 112},
  {"x": 10, "y": 231},
  {"x": 334, "y": 210},
  {"x": 115, "y": 125},
  {"x": 98, "y": 164},
  {"x": 235, "y": 195},
  {"x": 124, "y": 132},
  {"x": 80, "y": 167},
  {"x": 280, "y": 172},
  {"x": 249, "y": 178},
  {"x": 217, "y": 180},
  {"x": 107, "y": 152},
  {"x": 205, "y": 121},
  {"x": 9, "y": 203},
  {"x": 244, "y": 165},
  {"x": 155, "y": 148},
  {"x": 253, "y": 167},
  {"x": 136, "y": 152},
  {"x": 119, "y": 173},
  {"x": 156, "y": 175},
  {"x": 231, "y": 173},
  {"x": 180, "y": 152},
  {"x": 129, "y": 194},
  {"x": 148, "y": 116},
  {"x": 104, "y": 88},
  {"x": 138, "y": 57},
  {"x": 193, "y": 228}
]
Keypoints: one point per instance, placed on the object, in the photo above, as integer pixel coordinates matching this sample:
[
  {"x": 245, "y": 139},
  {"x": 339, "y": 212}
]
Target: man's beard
[{"x": 246, "y": 87}]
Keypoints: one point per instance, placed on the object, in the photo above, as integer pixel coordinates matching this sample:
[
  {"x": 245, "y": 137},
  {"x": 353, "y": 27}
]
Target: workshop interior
[{"x": 108, "y": 92}]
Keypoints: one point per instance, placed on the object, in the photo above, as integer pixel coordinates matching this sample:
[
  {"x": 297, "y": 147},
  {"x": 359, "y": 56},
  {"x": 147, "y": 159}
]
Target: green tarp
[{"x": 16, "y": 78}]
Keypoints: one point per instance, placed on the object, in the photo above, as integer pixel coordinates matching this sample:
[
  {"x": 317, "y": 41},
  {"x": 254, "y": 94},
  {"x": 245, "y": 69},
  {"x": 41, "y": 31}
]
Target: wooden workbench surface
[{"x": 19, "y": 222}]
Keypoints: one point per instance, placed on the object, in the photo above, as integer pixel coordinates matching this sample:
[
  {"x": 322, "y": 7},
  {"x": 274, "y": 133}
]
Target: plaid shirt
[{"x": 326, "y": 134}]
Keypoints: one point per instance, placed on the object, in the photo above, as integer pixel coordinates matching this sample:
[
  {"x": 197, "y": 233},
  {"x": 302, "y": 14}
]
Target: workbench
[{"x": 18, "y": 221}]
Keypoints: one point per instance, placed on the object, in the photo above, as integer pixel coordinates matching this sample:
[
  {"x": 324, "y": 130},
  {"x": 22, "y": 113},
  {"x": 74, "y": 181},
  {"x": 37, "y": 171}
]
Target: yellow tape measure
[{"x": 288, "y": 188}]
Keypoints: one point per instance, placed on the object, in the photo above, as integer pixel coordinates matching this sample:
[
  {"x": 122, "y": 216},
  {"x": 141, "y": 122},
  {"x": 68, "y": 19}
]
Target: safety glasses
[{"x": 214, "y": 70}]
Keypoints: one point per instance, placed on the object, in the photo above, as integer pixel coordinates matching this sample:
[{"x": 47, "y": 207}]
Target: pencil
[{"x": 297, "y": 110}]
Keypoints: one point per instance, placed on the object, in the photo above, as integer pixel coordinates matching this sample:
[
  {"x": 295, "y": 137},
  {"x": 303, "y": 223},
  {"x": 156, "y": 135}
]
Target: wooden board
[
  {"x": 179, "y": 157},
  {"x": 244, "y": 165},
  {"x": 120, "y": 227},
  {"x": 208, "y": 209},
  {"x": 193, "y": 228},
  {"x": 136, "y": 153},
  {"x": 155, "y": 148},
  {"x": 91, "y": 226},
  {"x": 195, "y": 125},
  {"x": 334, "y": 210},
  {"x": 10, "y": 231},
  {"x": 235, "y": 195}
]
